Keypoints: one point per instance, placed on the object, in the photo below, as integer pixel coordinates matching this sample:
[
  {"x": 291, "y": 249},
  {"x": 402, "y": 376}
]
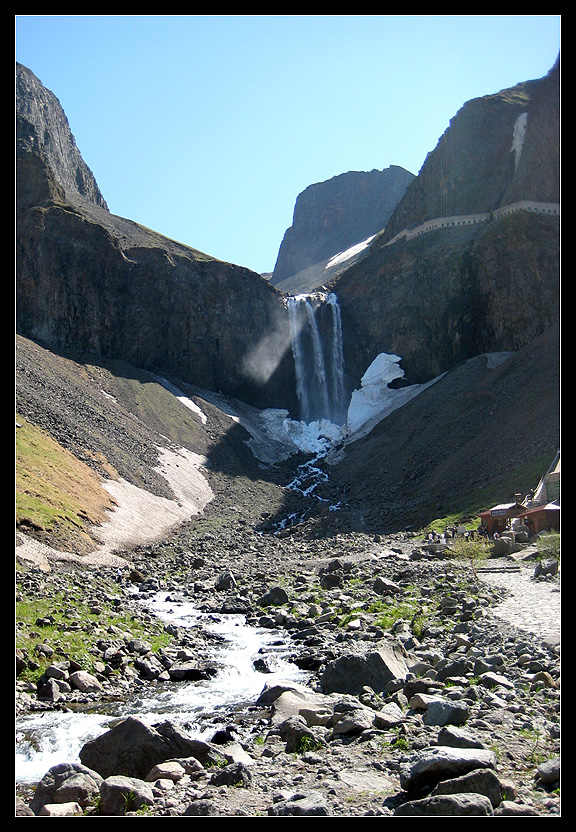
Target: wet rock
[
  {"x": 133, "y": 749},
  {"x": 191, "y": 671}
]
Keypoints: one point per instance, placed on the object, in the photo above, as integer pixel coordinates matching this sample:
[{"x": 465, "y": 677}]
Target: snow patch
[
  {"x": 375, "y": 400},
  {"x": 343, "y": 256},
  {"x": 185, "y": 400},
  {"x": 518, "y": 137}
]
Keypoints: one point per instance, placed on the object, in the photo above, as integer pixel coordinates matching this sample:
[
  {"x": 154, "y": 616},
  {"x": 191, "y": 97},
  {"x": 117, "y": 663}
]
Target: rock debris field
[{"x": 449, "y": 707}]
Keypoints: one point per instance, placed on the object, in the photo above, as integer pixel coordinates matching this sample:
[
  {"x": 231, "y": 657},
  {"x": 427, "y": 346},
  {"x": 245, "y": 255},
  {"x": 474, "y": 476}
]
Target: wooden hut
[
  {"x": 498, "y": 518},
  {"x": 542, "y": 518}
]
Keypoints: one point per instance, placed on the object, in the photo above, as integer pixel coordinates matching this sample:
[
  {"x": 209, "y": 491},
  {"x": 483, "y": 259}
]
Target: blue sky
[{"x": 206, "y": 128}]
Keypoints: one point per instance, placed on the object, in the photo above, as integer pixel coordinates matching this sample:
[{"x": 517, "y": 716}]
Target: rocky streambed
[{"x": 405, "y": 691}]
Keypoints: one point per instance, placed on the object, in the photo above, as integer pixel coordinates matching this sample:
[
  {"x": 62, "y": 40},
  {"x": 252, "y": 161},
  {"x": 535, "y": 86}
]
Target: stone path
[{"x": 533, "y": 606}]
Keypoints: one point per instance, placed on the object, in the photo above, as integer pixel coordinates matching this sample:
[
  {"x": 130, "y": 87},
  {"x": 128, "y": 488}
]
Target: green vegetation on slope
[{"x": 56, "y": 494}]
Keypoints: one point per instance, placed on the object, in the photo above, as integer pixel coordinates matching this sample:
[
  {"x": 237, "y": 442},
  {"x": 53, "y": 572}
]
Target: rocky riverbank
[{"x": 424, "y": 694}]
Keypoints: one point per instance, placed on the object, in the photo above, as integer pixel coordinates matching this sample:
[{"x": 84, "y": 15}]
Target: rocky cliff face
[
  {"x": 498, "y": 149},
  {"x": 43, "y": 130},
  {"x": 331, "y": 216},
  {"x": 453, "y": 293},
  {"x": 96, "y": 283}
]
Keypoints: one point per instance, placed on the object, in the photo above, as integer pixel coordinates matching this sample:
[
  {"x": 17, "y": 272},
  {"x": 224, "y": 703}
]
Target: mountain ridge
[{"x": 102, "y": 288}]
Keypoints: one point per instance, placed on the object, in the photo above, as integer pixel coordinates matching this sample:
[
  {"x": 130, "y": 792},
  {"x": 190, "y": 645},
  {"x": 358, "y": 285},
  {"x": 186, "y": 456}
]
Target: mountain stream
[{"x": 47, "y": 738}]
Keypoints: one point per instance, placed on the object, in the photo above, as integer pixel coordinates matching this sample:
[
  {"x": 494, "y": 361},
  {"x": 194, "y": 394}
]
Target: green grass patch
[
  {"x": 55, "y": 492},
  {"x": 66, "y": 622},
  {"x": 548, "y": 546}
]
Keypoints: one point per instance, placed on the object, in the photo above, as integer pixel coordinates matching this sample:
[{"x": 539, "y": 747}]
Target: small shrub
[
  {"x": 549, "y": 546},
  {"x": 471, "y": 551}
]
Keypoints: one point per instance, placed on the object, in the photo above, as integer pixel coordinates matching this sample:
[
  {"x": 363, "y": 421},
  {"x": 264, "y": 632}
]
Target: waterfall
[{"x": 316, "y": 332}]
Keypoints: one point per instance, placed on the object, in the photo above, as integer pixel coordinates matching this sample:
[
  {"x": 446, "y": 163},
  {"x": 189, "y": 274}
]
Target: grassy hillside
[{"x": 57, "y": 495}]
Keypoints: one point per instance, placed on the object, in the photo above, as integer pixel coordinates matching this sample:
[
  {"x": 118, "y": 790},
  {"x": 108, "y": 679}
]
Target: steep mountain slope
[
  {"x": 103, "y": 303},
  {"x": 122, "y": 423},
  {"x": 98, "y": 283},
  {"x": 487, "y": 430},
  {"x": 486, "y": 280},
  {"x": 498, "y": 149},
  {"x": 331, "y": 217}
]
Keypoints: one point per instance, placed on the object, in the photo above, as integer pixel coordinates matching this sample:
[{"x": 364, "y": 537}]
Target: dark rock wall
[
  {"x": 473, "y": 169},
  {"x": 95, "y": 283},
  {"x": 331, "y": 216},
  {"x": 452, "y": 294},
  {"x": 43, "y": 129}
]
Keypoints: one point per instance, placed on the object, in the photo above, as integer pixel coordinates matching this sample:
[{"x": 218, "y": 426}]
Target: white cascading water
[{"x": 316, "y": 331}]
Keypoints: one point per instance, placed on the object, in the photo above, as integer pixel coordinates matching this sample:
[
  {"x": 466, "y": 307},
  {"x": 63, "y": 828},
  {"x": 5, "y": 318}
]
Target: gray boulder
[
  {"x": 66, "y": 783},
  {"x": 443, "y": 712},
  {"x": 481, "y": 781},
  {"x": 439, "y": 763},
  {"x": 124, "y": 794},
  {"x": 549, "y": 771},
  {"x": 459, "y": 805},
  {"x": 351, "y": 673},
  {"x": 133, "y": 749},
  {"x": 457, "y": 738},
  {"x": 298, "y": 735},
  {"x": 85, "y": 682},
  {"x": 236, "y": 774},
  {"x": 311, "y": 803},
  {"x": 274, "y": 597}
]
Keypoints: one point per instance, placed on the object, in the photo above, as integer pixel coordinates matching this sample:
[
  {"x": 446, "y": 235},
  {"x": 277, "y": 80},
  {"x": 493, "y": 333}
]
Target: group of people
[{"x": 452, "y": 532}]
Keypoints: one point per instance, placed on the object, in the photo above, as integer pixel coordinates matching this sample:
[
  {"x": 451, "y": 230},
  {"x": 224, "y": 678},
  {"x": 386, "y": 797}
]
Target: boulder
[
  {"x": 133, "y": 749},
  {"x": 459, "y": 805},
  {"x": 298, "y": 736},
  {"x": 446, "y": 713},
  {"x": 235, "y": 774},
  {"x": 66, "y": 783},
  {"x": 124, "y": 794},
  {"x": 549, "y": 772},
  {"x": 351, "y": 673},
  {"x": 438, "y": 763},
  {"x": 311, "y": 803},
  {"x": 274, "y": 597},
  {"x": 85, "y": 682},
  {"x": 60, "y": 810},
  {"x": 481, "y": 781}
]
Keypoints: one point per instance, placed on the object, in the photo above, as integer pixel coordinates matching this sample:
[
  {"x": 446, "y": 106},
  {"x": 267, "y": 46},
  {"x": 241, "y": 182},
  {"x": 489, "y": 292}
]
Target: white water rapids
[{"x": 48, "y": 738}]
